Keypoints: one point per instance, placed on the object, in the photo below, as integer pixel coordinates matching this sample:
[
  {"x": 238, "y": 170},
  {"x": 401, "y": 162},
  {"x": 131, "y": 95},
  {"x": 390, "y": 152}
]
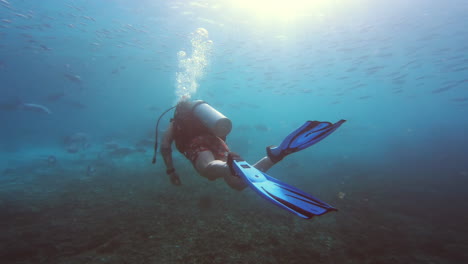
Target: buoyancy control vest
[
  {"x": 193, "y": 119},
  {"x": 197, "y": 118}
]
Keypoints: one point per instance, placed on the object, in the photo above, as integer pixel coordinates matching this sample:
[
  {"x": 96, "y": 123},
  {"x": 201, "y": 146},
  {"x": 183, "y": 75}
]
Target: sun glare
[{"x": 275, "y": 9}]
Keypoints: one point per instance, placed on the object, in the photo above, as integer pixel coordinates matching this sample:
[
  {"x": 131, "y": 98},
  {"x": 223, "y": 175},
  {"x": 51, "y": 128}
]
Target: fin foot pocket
[{"x": 232, "y": 156}]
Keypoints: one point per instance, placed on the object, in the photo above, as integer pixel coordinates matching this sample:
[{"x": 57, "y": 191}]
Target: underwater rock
[
  {"x": 76, "y": 142},
  {"x": 121, "y": 152},
  {"x": 111, "y": 145},
  {"x": 142, "y": 150},
  {"x": 7, "y": 171},
  {"x": 145, "y": 143},
  {"x": 72, "y": 149},
  {"x": 78, "y": 137}
]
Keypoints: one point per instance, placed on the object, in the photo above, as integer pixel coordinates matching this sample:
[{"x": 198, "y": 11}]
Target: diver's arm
[{"x": 166, "y": 152}]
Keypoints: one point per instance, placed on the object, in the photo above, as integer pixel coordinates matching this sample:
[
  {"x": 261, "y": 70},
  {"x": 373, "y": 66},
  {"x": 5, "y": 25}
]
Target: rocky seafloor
[{"x": 128, "y": 212}]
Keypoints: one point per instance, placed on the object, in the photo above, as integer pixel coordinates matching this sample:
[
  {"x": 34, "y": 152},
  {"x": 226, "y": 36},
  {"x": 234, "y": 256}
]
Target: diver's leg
[
  {"x": 202, "y": 162},
  {"x": 213, "y": 169},
  {"x": 221, "y": 169}
]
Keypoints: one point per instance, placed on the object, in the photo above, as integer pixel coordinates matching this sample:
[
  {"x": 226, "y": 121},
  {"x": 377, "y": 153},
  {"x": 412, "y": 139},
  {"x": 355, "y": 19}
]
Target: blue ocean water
[{"x": 82, "y": 84}]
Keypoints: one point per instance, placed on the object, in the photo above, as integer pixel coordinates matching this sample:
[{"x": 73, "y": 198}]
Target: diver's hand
[{"x": 174, "y": 177}]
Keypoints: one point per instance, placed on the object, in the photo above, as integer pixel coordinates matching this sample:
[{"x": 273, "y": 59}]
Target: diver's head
[
  {"x": 183, "y": 107},
  {"x": 184, "y": 104}
]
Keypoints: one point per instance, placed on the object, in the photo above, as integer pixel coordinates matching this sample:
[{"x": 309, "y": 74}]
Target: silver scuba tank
[{"x": 212, "y": 119}]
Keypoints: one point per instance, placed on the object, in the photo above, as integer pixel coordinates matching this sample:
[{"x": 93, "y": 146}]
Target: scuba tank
[{"x": 210, "y": 118}]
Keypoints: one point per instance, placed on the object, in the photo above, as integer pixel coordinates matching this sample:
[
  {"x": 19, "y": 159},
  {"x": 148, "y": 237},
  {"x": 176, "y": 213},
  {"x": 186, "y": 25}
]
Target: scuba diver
[{"x": 199, "y": 132}]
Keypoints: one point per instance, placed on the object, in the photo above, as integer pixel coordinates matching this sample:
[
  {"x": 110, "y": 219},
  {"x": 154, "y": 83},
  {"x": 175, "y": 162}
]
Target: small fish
[
  {"x": 90, "y": 170},
  {"x": 443, "y": 89},
  {"x": 51, "y": 160},
  {"x": 460, "y": 69},
  {"x": 44, "y": 47},
  {"x": 55, "y": 97},
  {"x": 35, "y": 108},
  {"x": 73, "y": 77},
  {"x": 111, "y": 145},
  {"x": 154, "y": 108},
  {"x": 464, "y": 99},
  {"x": 21, "y": 15},
  {"x": 261, "y": 127},
  {"x": 76, "y": 104}
]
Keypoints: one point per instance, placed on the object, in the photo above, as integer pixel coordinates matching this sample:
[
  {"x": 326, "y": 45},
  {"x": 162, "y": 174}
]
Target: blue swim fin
[
  {"x": 279, "y": 193},
  {"x": 305, "y": 136}
]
